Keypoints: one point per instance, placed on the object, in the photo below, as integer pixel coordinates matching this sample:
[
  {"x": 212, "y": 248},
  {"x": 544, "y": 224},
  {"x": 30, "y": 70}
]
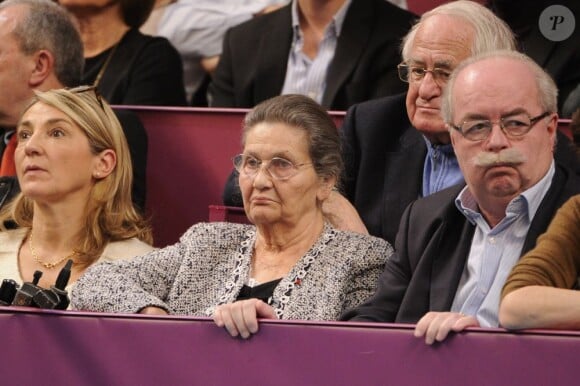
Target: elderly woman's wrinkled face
[
  {"x": 53, "y": 157},
  {"x": 269, "y": 200}
]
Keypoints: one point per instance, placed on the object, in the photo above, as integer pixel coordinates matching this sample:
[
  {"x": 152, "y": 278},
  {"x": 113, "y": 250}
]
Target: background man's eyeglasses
[{"x": 414, "y": 74}]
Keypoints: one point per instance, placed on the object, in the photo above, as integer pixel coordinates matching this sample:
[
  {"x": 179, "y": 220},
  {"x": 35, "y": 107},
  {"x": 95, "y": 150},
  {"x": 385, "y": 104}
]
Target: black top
[
  {"x": 560, "y": 59},
  {"x": 263, "y": 291},
  {"x": 143, "y": 70}
]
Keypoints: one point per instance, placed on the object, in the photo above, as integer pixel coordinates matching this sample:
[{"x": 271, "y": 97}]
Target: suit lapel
[
  {"x": 548, "y": 207},
  {"x": 275, "y": 44},
  {"x": 351, "y": 43},
  {"x": 451, "y": 254},
  {"x": 452, "y": 251},
  {"x": 410, "y": 155}
]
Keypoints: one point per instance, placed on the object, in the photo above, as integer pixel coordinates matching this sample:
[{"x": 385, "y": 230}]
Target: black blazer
[
  {"x": 252, "y": 66},
  {"x": 432, "y": 247},
  {"x": 384, "y": 157},
  {"x": 144, "y": 70},
  {"x": 560, "y": 59},
  {"x": 138, "y": 142}
]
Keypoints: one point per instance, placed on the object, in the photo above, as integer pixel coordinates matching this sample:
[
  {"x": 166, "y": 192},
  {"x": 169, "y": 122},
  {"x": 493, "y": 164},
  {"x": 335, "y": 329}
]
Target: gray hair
[
  {"x": 304, "y": 113},
  {"x": 491, "y": 33},
  {"x": 48, "y": 26},
  {"x": 547, "y": 90}
]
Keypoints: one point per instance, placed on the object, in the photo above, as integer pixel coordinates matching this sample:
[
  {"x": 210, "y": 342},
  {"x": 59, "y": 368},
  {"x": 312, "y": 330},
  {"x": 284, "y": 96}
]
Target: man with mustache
[
  {"x": 456, "y": 247},
  {"x": 397, "y": 148}
]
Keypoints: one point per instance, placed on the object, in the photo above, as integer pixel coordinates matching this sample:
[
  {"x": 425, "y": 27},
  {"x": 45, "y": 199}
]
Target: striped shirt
[
  {"x": 304, "y": 75},
  {"x": 494, "y": 251},
  {"x": 441, "y": 169}
]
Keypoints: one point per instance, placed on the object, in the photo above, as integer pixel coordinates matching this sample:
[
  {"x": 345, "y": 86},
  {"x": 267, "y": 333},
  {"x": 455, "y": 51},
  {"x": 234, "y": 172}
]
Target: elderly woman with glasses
[
  {"x": 74, "y": 171},
  {"x": 291, "y": 264}
]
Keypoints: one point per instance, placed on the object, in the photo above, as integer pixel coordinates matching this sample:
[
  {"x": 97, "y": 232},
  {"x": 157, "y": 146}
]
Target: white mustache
[{"x": 505, "y": 157}]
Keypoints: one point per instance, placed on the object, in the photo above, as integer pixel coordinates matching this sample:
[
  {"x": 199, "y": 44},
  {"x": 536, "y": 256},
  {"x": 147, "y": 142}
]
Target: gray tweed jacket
[{"x": 211, "y": 263}]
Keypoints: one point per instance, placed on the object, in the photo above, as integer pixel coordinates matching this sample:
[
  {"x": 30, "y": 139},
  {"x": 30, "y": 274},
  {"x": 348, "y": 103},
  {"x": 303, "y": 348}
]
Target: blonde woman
[{"x": 74, "y": 170}]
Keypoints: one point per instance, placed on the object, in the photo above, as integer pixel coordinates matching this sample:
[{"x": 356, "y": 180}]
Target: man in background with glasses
[
  {"x": 397, "y": 149},
  {"x": 456, "y": 247}
]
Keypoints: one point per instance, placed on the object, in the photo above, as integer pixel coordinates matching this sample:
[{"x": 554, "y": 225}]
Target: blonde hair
[{"x": 110, "y": 214}]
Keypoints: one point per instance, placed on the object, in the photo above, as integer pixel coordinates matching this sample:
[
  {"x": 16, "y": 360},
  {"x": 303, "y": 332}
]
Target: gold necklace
[{"x": 44, "y": 263}]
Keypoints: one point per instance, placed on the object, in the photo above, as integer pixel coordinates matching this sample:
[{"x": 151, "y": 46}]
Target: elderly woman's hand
[{"x": 241, "y": 318}]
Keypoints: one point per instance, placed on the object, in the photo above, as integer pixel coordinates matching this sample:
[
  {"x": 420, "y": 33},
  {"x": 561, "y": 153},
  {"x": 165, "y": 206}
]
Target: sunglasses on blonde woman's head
[{"x": 83, "y": 89}]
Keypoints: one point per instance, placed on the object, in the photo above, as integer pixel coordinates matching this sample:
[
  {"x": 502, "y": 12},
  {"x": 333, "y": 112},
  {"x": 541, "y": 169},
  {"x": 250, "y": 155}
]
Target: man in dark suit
[
  {"x": 397, "y": 149},
  {"x": 557, "y": 50},
  {"x": 339, "y": 52},
  {"x": 456, "y": 247}
]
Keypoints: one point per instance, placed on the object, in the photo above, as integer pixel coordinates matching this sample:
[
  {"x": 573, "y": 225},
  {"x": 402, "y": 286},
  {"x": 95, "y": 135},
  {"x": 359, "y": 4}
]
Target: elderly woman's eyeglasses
[
  {"x": 515, "y": 125},
  {"x": 415, "y": 74},
  {"x": 279, "y": 168}
]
